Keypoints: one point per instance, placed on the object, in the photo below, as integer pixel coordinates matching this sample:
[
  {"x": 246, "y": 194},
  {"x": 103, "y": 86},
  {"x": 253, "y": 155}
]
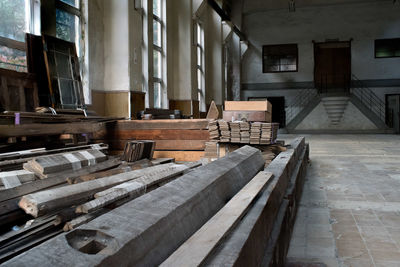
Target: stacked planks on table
[
  {"x": 60, "y": 190},
  {"x": 182, "y": 139}
]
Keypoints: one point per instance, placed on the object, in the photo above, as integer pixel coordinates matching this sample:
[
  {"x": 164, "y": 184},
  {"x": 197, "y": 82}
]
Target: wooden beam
[
  {"x": 40, "y": 203},
  {"x": 54, "y": 179},
  {"x": 180, "y": 155},
  {"x": 39, "y": 129},
  {"x": 184, "y": 124},
  {"x": 161, "y": 134},
  {"x": 196, "y": 249},
  {"x": 131, "y": 189}
]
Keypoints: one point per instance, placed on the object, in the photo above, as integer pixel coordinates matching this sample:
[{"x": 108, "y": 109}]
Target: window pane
[
  {"x": 156, "y": 33},
  {"x": 157, "y": 64},
  {"x": 12, "y": 59},
  {"x": 199, "y": 79},
  {"x": 12, "y": 19},
  {"x": 199, "y": 34},
  {"x": 199, "y": 57},
  {"x": 157, "y": 95},
  {"x": 66, "y": 25},
  {"x": 157, "y": 8},
  {"x": 74, "y": 3}
]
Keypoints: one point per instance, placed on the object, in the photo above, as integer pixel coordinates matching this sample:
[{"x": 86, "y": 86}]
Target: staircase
[
  {"x": 335, "y": 107},
  {"x": 335, "y": 104}
]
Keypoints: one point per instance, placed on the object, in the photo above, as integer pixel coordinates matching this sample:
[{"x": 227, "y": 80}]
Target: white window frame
[
  {"x": 161, "y": 80},
  {"x": 32, "y": 25},
  {"x": 200, "y": 64}
]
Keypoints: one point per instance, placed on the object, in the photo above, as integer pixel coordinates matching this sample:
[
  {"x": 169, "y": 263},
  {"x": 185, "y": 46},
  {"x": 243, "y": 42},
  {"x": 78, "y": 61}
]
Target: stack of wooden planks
[
  {"x": 225, "y": 132},
  {"x": 244, "y": 132},
  {"x": 183, "y": 139},
  {"x": 137, "y": 150},
  {"x": 248, "y": 110},
  {"x": 213, "y": 129}
]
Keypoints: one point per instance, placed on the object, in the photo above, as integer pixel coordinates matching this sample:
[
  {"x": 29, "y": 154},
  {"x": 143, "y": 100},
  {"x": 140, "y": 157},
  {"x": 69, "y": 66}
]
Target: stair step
[{"x": 336, "y": 98}]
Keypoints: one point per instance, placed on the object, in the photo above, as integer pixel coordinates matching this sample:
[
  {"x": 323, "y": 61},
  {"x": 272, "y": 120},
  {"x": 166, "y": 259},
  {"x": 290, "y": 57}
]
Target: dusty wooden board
[
  {"x": 248, "y": 105},
  {"x": 196, "y": 249},
  {"x": 180, "y": 155},
  {"x": 40, "y": 203},
  {"x": 213, "y": 113},
  {"x": 183, "y": 124},
  {"x": 49, "y": 129},
  {"x": 131, "y": 189},
  {"x": 167, "y": 134},
  {"x": 163, "y": 144},
  {"x": 53, "y": 180}
]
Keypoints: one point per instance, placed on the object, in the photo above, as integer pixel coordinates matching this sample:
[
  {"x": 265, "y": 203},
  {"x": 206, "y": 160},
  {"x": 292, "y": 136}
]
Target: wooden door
[{"x": 332, "y": 70}]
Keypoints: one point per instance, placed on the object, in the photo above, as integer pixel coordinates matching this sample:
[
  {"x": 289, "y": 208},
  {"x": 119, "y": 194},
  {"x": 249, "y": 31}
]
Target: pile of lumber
[
  {"x": 188, "y": 221},
  {"x": 213, "y": 130},
  {"x": 244, "y": 132},
  {"x": 183, "y": 139},
  {"x": 65, "y": 190},
  {"x": 137, "y": 150},
  {"x": 225, "y": 132},
  {"x": 247, "y": 110}
]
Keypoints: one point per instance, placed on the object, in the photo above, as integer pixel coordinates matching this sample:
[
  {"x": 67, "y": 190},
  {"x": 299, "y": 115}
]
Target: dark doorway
[
  {"x": 278, "y": 108},
  {"x": 332, "y": 69},
  {"x": 393, "y": 112}
]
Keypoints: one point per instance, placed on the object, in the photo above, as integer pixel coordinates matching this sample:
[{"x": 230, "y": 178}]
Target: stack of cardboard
[
  {"x": 235, "y": 131},
  {"x": 250, "y": 111},
  {"x": 213, "y": 130},
  {"x": 224, "y": 130}
]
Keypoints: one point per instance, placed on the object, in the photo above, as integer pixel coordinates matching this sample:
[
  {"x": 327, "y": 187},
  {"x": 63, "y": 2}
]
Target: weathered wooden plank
[
  {"x": 180, "y": 155},
  {"x": 54, "y": 179},
  {"x": 131, "y": 189},
  {"x": 183, "y": 124},
  {"x": 49, "y": 129},
  {"x": 196, "y": 249},
  {"x": 39, "y": 203},
  {"x": 161, "y": 134}
]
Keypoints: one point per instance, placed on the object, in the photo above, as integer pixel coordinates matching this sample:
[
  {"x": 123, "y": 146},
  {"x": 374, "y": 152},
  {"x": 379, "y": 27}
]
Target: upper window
[
  {"x": 387, "y": 48},
  {"x": 200, "y": 65},
  {"x": 158, "y": 51},
  {"x": 280, "y": 58},
  {"x": 68, "y": 22},
  {"x": 14, "y": 23}
]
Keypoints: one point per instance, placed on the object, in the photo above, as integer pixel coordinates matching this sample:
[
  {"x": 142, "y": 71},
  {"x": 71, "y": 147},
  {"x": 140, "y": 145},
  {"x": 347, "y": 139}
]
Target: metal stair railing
[
  {"x": 368, "y": 98},
  {"x": 302, "y": 99}
]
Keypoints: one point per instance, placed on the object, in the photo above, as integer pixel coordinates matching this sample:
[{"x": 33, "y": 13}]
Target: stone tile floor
[{"x": 349, "y": 213}]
